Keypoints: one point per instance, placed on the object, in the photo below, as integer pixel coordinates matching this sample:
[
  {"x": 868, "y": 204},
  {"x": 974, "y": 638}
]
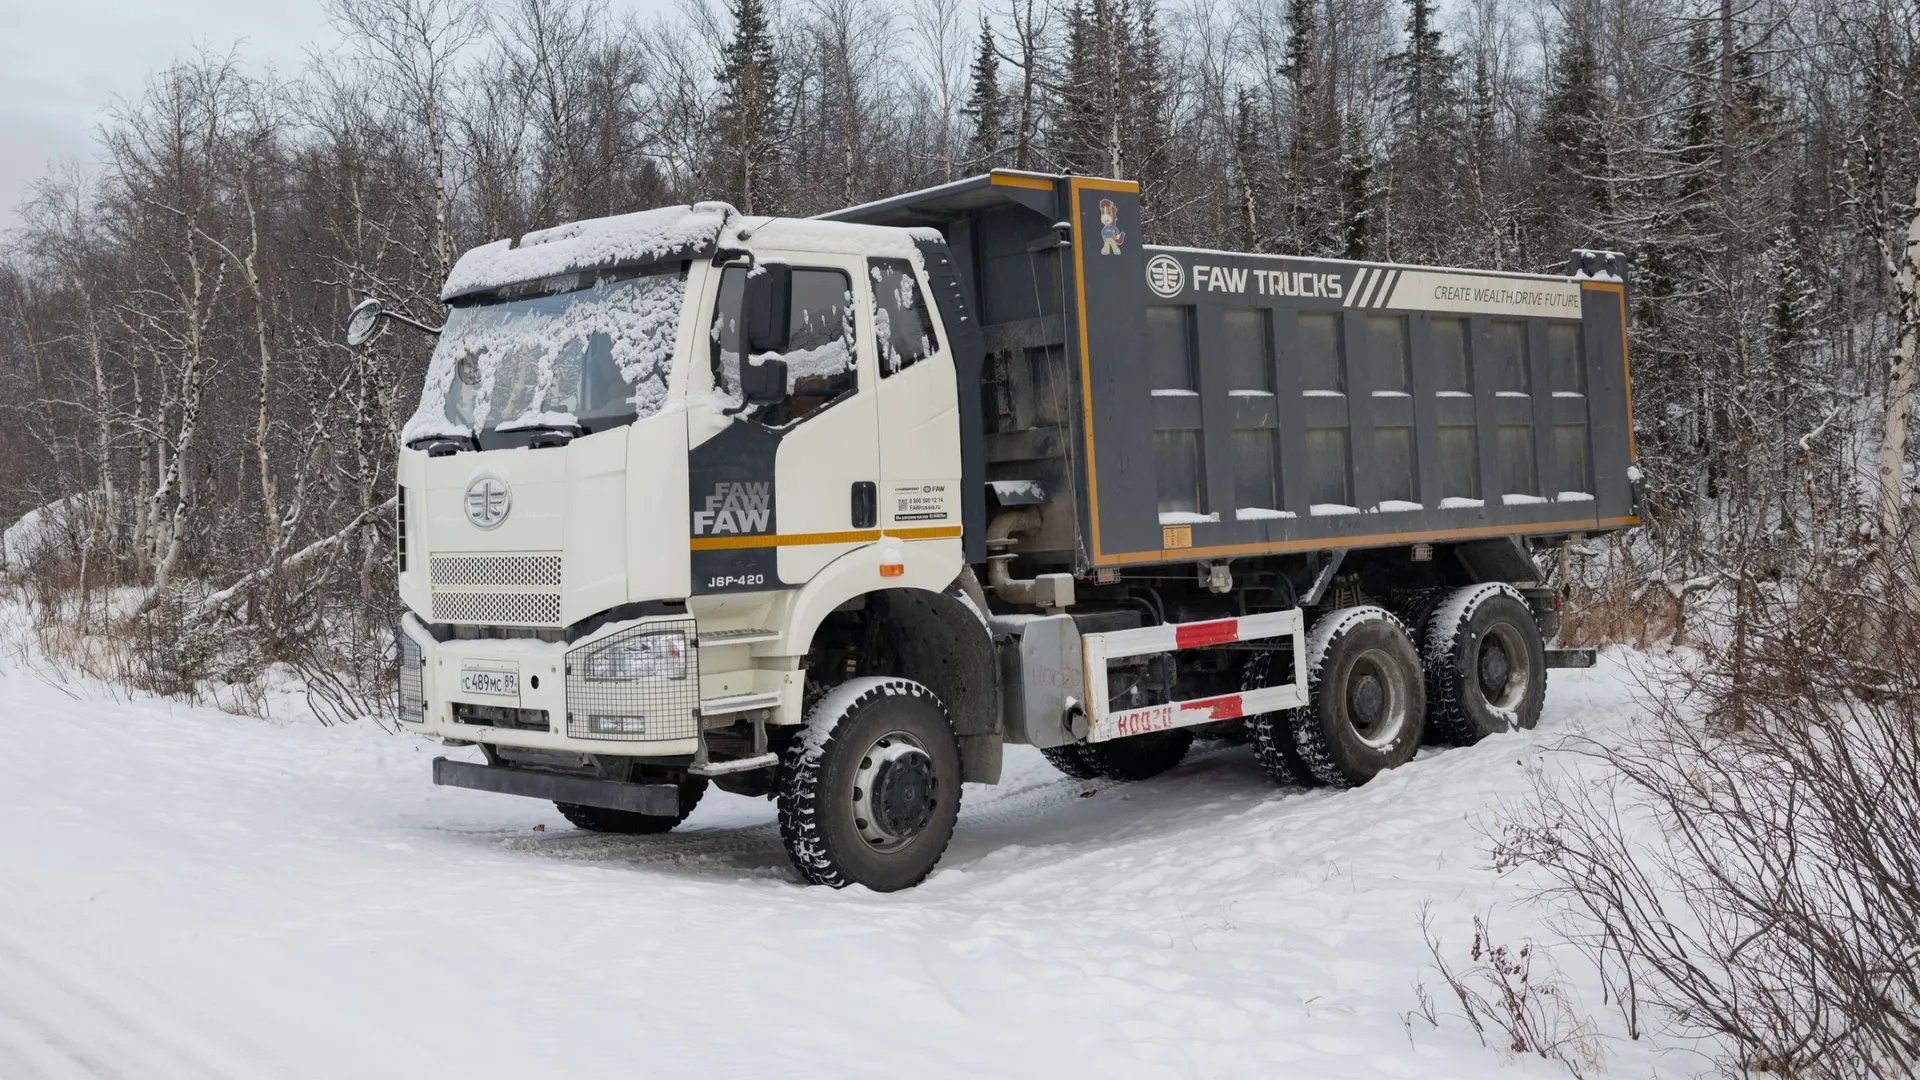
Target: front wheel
[
  {"x": 870, "y": 787},
  {"x": 601, "y": 819}
]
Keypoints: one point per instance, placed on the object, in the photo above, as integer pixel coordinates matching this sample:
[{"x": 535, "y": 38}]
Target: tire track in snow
[
  {"x": 991, "y": 820},
  {"x": 36, "y": 996}
]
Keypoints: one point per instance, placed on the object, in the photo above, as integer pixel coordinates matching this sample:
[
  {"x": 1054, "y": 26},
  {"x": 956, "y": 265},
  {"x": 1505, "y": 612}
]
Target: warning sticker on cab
[{"x": 922, "y": 502}]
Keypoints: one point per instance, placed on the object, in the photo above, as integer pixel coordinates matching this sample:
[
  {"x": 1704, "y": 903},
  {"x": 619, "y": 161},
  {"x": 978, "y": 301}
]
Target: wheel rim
[
  {"x": 1502, "y": 668},
  {"x": 1376, "y": 698},
  {"x": 894, "y": 792}
]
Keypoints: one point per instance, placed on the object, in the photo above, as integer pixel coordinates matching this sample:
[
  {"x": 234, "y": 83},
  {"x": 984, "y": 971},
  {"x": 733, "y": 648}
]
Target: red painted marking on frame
[
  {"x": 1225, "y": 707},
  {"x": 1201, "y": 634}
]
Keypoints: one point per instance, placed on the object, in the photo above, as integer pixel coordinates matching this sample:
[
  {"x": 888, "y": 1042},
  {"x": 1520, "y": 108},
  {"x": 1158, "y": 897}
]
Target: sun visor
[{"x": 669, "y": 234}]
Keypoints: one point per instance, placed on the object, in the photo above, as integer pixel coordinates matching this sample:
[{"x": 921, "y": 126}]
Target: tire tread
[{"x": 801, "y": 826}]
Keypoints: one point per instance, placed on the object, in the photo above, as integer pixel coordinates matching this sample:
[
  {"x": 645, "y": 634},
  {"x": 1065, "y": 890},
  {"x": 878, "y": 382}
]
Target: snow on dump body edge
[{"x": 642, "y": 237}]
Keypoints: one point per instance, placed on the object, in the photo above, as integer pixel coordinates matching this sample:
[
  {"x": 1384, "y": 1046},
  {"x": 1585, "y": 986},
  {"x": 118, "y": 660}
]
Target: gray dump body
[{"x": 1176, "y": 404}]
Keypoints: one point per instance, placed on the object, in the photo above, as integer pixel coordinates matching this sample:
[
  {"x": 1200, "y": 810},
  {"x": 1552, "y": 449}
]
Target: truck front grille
[
  {"x": 521, "y": 571},
  {"x": 496, "y": 590},
  {"x": 494, "y": 609}
]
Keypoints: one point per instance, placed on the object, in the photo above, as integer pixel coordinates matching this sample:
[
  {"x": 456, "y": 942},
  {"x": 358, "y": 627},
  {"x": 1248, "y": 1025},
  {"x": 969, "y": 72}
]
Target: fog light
[{"x": 617, "y": 725}]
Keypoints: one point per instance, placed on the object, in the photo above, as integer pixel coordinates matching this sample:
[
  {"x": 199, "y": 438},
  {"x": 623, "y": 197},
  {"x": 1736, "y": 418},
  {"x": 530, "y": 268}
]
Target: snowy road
[{"x": 189, "y": 894}]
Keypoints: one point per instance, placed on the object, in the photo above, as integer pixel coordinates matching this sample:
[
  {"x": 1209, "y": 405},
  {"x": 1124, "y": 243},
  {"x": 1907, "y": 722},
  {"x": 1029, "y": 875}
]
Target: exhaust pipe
[{"x": 1047, "y": 591}]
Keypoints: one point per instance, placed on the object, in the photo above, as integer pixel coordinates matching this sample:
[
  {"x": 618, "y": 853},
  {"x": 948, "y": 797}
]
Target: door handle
[{"x": 866, "y": 504}]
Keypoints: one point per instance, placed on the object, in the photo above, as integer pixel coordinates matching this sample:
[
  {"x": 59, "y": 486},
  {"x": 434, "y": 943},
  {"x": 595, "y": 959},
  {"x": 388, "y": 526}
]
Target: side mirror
[
  {"x": 364, "y": 321},
  {"x": 763, "y": 381},
  {"x": 765, "y": 306}
]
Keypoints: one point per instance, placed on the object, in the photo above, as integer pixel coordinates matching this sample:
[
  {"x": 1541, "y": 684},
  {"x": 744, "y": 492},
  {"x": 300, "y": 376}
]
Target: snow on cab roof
[{"x": 671, "y": 232}]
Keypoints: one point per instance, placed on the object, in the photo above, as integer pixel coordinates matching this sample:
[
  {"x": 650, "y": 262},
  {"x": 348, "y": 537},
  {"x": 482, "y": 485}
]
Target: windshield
[{"x": 585, "y": 352}]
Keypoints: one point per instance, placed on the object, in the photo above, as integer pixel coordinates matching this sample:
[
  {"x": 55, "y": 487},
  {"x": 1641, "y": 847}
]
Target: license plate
[{"x": 496, "y": 683}]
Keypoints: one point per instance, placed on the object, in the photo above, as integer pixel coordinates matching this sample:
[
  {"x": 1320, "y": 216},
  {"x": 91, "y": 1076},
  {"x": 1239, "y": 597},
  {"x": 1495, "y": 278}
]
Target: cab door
[
  {"x": 779, "y": 491},
  {"x": 919, "y": 408}
]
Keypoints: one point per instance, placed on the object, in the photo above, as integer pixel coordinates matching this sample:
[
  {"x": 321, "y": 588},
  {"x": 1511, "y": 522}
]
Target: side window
[
  {"x": 820, "y": 346},
  {"x": 900, "y": 318}
]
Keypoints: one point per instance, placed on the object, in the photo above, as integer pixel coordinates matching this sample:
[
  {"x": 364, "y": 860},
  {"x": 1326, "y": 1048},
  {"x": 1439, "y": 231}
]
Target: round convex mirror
[{"x": 363, "y": 322}]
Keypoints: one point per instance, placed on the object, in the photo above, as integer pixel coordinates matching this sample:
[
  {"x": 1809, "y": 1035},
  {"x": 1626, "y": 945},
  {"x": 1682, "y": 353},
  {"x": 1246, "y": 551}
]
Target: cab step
[
  {"x": 714, "y": 638},
  {"x": 723, "y": 768},
  {"x": 739, "y": 703}
]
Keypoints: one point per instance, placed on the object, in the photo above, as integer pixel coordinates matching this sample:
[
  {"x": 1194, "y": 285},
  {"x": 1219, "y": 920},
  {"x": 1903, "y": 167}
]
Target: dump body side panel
[{"x": 1241, "y": 404}]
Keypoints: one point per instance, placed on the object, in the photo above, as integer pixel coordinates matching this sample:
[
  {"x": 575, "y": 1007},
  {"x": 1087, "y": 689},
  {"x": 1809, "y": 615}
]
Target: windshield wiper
[
  {"x": 444, "y": 445},
  {"x": 543, "y": 435}
]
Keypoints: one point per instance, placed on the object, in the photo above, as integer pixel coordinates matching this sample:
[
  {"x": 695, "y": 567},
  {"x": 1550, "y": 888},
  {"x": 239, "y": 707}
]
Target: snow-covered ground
[{"x": 185, "y": 893}]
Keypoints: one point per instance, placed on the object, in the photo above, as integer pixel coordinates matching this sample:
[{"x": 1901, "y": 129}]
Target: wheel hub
[
  {"x": 903, "y": 794},
  {"x": 895, "y": 792},
  {"x": 1495, "y": 669},
  {"x": 1376, "y": 698},
  {"x": 1365, "y": 699}
]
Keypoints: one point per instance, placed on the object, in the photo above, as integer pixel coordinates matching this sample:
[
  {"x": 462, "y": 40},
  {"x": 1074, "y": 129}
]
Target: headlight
[{"x": 644, "y": 656}]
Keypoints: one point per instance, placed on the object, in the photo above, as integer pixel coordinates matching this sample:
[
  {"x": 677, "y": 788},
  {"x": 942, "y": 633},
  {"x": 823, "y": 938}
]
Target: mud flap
[{"x": 1572, "y": 658}]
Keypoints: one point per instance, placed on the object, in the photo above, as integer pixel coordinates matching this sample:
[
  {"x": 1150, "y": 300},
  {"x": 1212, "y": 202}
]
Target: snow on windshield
[{"x": 591, "y": 357}]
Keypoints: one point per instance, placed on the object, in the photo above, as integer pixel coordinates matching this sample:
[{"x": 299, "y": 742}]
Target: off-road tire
[
  {"x": 1466, "y": 704},
  {"x": 819, "y": 768},
  {"x": 1272, "y": 733},
  {"x": 1415, "y": 611},
  {"x": 1339, "y": 744},
  {"x": 1139, "y": 757},
  {"x": 1070, "y": 760},
  {"x": 601, "y": 819}
]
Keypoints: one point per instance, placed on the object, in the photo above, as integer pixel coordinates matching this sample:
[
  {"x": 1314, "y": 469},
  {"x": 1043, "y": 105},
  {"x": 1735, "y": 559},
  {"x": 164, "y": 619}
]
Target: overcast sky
[{"x": 63, "y": 63}]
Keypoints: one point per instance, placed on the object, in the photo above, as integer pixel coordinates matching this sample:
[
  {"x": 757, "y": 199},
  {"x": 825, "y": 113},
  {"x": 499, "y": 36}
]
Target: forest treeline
[{"x": 170, "y": 357}]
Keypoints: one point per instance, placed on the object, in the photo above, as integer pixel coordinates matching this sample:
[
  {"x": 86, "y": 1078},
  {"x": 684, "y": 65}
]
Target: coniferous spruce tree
[
  {"x": 1423, "y": 161},
  {"x": 1572, "y": 142},
  {"x": 1311, "y": 176},
  {"x": 747, "y": 121},
  {"x": 986, "y": 105},
  {"x": 1358, "y": 191}
]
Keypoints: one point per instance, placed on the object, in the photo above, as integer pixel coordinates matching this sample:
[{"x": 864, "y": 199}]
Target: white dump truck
[{"x": 831, "y": 510}]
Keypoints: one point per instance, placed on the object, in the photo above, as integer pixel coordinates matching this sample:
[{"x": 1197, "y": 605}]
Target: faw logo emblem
[
  {"x": 736, "y": 508},
  {"x": 1165, "y": 277},
  {"x": 488, "y": 501}
]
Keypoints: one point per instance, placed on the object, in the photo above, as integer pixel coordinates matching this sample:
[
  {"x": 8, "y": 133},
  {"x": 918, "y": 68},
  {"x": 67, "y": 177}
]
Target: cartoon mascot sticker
[{"x": 1110, "y": 235}]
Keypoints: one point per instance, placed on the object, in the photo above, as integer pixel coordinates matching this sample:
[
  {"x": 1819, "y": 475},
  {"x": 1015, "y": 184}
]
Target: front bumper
[
  {"x": 654, "y": 800},
  {"x": 553, "y": 705}
]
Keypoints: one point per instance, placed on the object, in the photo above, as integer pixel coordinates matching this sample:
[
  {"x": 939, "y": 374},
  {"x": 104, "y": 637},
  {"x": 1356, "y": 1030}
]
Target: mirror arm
[
  {"x": 725, "y": 255},
  {"x": 417, "y": 325}
]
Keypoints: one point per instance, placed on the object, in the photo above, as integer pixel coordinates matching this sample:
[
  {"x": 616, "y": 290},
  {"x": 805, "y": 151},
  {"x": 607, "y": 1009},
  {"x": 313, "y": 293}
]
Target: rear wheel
[
  {"x": 1138, "y": 757},
  {"x": 1272, "y": 733},
  {"x": 1486, "y": 666},
  {"x": 1366, "y": 703},
  {"x": 870, "y": 788},
  {"x": 601, "y": 819},
  {"x": 1071, "y": 760}
]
